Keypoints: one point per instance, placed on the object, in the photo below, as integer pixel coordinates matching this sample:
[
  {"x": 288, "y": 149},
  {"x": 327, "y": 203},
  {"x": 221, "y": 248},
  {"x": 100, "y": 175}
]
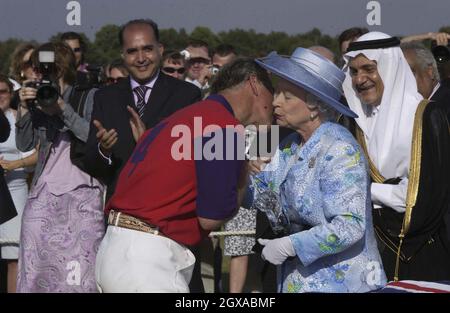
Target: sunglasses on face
[
  {"x": 111, "y": 80},
  {"x": 75, "y": 50},
  {"x": 171, "y": 70},
  {"x": 198, "y": 60},
  {"x": 27, "y": 64}
]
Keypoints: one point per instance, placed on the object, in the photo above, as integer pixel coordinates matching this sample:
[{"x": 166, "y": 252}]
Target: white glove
[{"x": 276, "y": 251}]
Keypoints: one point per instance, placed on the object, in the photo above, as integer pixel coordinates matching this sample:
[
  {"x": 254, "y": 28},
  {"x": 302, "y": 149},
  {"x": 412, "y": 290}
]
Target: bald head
[{"x": 325, "y": 52}]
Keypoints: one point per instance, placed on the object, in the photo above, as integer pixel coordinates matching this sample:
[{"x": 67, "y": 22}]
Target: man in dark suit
[
  {"x": 150, "y": 92},
  {"x": 7, "y": 209}
]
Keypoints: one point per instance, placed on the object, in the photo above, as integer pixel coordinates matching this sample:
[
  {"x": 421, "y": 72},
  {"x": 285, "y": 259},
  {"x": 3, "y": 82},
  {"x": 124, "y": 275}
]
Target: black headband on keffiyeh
[{"x": 374, "y": 44}]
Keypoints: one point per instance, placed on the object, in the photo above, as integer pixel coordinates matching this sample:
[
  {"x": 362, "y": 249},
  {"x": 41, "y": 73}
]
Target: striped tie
[{"x": 140, "y": 93}]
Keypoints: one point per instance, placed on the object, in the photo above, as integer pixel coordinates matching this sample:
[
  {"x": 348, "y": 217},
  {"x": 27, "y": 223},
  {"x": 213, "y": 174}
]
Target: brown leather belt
[{"x": 123, "y": 220}]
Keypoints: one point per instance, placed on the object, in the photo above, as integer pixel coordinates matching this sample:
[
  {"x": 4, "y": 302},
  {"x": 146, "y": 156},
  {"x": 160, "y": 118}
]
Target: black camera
[
  {"x": 95, "y": 77},
  {"x": 441, "y": 53},
  {"x": 214, "y": 70},
  {"x": 47, "y": 89}
]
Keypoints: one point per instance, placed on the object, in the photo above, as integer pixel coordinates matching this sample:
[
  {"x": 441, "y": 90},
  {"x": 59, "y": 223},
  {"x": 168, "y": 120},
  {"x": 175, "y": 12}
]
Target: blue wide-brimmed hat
[{"x": 313, "y": 73}]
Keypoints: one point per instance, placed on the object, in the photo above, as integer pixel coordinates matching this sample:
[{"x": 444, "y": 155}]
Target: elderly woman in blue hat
[{"x": 315, "y": 190}]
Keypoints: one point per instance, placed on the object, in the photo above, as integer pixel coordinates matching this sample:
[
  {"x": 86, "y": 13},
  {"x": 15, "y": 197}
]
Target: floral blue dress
[{"x": 319, "y": 195}]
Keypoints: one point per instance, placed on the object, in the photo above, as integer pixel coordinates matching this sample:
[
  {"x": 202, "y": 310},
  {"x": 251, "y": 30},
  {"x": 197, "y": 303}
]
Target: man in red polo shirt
[{"x": 186, "y": 177}]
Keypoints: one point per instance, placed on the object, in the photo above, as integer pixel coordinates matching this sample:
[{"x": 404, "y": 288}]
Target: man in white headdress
[{"x": 407, "y": 141}]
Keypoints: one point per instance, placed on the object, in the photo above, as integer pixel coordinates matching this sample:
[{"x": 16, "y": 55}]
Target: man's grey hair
[
  {"x": 323, "y": 51},
  {"x": 237, "y": 72},
  {"x": 424, "y": 57},
  {"x": 326, "y": 112}
]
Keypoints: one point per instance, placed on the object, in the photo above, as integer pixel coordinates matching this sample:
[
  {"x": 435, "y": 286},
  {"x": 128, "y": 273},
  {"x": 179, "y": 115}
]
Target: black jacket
[
  {"x": 110, "y": 108},
  {"x": 426, "y": 247},
  {"x": 7, "y": 209},
  {"x": 442, "y": 99}
]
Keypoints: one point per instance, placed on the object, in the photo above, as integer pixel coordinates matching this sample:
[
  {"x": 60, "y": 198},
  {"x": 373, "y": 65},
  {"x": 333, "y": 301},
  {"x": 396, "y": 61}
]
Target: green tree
[
  {"x": 445, "y": 29},
  {"x": 205, "y": 34},
  {"x": 6, "y": 50},
  {"x": 245, "y": 41},
  {"x": 106, "y": 47},
  {"x": 184, "y": 38},
  {"x": 279, "y": 42},
  {"x": 172, "y": 39}
]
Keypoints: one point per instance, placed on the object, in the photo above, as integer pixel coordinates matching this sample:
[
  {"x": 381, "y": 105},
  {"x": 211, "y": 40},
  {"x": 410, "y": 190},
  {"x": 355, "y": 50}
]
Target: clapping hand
[
  {"x": 27, "y": 93},
  {"x": 106, "y": 138},
  {"x": 137, "y": 125}
]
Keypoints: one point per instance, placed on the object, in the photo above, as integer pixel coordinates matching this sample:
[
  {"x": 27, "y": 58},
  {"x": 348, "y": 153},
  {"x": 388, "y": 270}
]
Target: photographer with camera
[
  {"x": 78, "y": 46},
  {"x": 63, "y": 197},
  {"x": 88, "y": 75},
  {"x": 198, "y": 64}
]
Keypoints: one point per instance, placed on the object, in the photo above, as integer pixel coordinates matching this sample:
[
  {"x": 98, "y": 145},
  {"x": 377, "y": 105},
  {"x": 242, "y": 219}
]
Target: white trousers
[{"x": 135, "y": 261}]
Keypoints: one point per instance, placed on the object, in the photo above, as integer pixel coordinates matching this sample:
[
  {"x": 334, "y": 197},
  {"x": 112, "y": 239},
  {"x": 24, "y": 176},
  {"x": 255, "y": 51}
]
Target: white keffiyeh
[{"x": 388, "y": 128}]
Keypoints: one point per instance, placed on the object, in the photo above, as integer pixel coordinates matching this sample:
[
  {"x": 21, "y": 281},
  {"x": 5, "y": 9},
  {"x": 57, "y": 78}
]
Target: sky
[{"x": 40, "y": 19}]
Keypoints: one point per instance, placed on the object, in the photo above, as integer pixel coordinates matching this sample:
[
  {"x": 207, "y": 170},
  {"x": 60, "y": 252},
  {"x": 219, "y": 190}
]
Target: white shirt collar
[
  {"x": 197, "y": 83},
  {"x": 16, "y": 85},
  {"x": 434, "y": 90},
  {"x": 150, "y": 84}
]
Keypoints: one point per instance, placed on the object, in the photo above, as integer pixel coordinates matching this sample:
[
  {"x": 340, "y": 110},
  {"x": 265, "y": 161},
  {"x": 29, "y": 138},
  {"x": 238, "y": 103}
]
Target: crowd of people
[{"x": 112, "y": 179}]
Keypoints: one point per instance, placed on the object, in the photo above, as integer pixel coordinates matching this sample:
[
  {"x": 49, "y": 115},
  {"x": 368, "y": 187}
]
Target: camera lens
[
  {"x": 47, "y": 95},
  {"x": 441, "y": 53},
  {"x": 214, "y": 70}
]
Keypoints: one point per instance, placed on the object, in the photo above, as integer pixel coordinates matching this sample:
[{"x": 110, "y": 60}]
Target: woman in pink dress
[{"x": 63, "y": 221}]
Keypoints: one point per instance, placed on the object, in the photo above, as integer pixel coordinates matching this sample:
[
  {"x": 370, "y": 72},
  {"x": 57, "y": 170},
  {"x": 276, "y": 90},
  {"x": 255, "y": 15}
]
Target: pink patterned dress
[{"x": 62, "y": 227}]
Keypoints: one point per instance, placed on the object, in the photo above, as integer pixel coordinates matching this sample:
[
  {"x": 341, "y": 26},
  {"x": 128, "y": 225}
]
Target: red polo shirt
[{"x": 180, "y": 170}]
